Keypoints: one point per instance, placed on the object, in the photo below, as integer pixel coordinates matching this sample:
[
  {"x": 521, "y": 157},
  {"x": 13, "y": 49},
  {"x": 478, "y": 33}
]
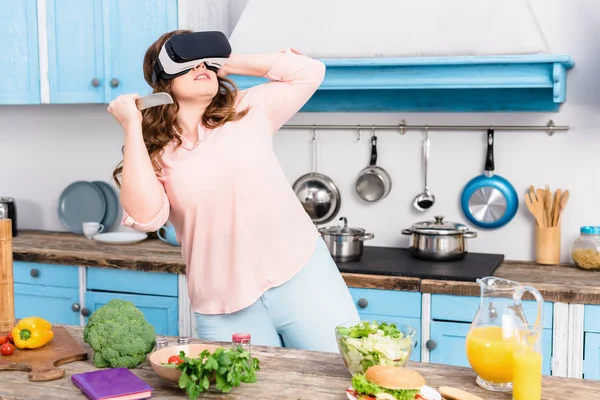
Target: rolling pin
[{"x": 7, "y": 288}]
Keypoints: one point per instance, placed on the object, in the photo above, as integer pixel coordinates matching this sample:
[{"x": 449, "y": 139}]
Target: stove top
[{"x": 398, "y": 262}]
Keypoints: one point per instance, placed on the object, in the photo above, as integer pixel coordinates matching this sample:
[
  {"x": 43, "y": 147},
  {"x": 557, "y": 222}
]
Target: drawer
[
  {"x": 46, "y": 274},
  {"x": 591, "y": 363},
  {"x": 591, "y": 319},
  {"x": 463, "y": 309},
  {"x": 414, "y": 322},
  {"x": 126, "y": 281},
  {"x": 387, "y": 302}
]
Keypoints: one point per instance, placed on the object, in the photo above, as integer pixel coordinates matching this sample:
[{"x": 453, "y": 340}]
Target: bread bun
[{"x": 395, "y": 378}]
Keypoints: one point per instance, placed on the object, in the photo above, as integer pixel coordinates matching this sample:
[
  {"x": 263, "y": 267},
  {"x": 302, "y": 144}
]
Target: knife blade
[{"x": 153, "y": 100}]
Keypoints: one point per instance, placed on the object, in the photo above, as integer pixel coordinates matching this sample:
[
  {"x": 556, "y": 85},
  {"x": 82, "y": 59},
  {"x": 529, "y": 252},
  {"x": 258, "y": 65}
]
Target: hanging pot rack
[{"x": 550, "y": 128}]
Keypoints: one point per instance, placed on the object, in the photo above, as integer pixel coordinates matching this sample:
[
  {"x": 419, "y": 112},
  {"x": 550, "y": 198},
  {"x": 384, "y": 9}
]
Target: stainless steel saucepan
[
  {"x": 373, "y": 182},
  {"x": 345, "y": 244}
]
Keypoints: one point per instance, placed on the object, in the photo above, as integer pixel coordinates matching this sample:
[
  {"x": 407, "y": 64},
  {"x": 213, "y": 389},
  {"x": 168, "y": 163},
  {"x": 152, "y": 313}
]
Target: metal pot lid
[
  {"x": 439, "y": 227},
  {"x": 342, "y": 229}
]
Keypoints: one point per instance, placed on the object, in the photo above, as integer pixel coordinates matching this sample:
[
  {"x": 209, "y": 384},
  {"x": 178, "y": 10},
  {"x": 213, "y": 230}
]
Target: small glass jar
[
  {"x": 184, "y": 340},
  {"x": 241, "y": 339},
  {"x": 160, "y": 343},
  {"x": 586, "y": 249}
]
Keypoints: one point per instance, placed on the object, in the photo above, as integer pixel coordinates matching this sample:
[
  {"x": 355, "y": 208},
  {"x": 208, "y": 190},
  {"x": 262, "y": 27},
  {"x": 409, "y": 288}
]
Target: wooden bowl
[{"x": 162, "y": 356}]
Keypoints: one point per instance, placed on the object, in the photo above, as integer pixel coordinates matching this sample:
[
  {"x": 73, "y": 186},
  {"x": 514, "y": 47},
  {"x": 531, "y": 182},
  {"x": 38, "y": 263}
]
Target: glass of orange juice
[{"x": 527, "y": 366}]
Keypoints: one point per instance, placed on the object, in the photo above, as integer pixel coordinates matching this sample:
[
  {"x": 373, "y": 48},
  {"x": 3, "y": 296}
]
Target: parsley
[{"x": 226, "y": 368}]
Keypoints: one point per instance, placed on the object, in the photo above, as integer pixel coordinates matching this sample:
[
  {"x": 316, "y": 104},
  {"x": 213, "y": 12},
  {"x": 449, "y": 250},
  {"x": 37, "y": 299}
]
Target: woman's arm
[
  {"x": 294, "y": 78},
  {"x": 143, "y": 198}
]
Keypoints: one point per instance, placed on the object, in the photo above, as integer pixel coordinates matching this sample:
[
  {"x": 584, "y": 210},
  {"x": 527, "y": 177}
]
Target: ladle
[{"x": 426, "y": 199}]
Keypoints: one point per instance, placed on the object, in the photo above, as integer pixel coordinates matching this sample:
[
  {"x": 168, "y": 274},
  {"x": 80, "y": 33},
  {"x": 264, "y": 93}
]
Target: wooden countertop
[
  {"x": 284, "y": 374},
  {"x": 557, "y": 283}
]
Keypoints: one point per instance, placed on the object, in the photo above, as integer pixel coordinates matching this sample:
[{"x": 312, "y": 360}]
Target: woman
[{"x": 255, "y": 261}]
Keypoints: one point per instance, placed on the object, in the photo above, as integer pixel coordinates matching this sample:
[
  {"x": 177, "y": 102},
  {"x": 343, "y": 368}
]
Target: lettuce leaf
[{"x": 363, "y": 386}]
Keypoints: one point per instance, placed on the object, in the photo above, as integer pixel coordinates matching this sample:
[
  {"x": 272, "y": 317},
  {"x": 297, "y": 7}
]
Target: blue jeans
[{"x": 302, "y": 313}]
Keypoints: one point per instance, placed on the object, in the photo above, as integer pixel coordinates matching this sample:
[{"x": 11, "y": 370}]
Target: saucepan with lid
[
  {"x": 345, "y": 244},
  {"x": 439, "y": 240}
]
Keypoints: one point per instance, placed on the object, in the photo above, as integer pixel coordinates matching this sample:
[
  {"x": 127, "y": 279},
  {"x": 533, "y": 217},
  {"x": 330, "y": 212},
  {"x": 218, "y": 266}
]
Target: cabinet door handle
[
  {"x": 86, "y": 312},
  {"x": 114, "y": 82},
  {"x": 34, "y": 272},
  {"x": 95, "y": 82},
  {"x": 431, "y": 345},
  {"x": 75, "y": 307},
  {"x": 363, "y": 303}
]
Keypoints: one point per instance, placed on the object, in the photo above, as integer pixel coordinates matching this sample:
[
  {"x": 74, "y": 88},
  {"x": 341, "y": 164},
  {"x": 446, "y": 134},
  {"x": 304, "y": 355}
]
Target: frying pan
[
  {"x": 373, "y": 183},
  {"x": 488, "y": 200}
]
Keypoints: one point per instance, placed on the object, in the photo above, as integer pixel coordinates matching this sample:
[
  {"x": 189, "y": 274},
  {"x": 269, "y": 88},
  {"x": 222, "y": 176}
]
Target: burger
[{"x": 385, "y": 382}]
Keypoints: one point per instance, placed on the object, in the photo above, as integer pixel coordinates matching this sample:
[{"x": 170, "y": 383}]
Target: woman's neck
[{"x": 189, "y": 118}]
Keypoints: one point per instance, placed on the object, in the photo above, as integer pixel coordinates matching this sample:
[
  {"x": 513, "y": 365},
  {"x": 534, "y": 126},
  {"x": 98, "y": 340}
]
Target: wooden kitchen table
[{"x": 284, "y": 374}]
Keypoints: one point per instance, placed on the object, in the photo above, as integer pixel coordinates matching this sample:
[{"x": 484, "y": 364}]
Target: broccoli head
[{"x": 119, "y": 335}]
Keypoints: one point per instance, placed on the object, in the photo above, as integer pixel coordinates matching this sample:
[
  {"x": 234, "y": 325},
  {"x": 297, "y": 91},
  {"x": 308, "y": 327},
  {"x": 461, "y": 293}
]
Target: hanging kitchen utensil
[
  {"x": 373, "y": 182},
  {"x": 425, "y": 199},
  {"x": 318, "y": 194},
  {"x": 488, "y": 200}
]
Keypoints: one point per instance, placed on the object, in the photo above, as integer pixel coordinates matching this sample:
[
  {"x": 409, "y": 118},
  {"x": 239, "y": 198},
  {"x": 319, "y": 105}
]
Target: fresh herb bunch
[{"x": 227, "y": 368}]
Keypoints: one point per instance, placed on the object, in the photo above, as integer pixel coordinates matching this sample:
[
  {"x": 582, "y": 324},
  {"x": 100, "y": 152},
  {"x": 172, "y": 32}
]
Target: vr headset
[{"x": 185, "y": 51}]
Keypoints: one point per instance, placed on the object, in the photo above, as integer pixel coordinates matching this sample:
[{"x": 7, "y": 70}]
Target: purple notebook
[{"x": 112, "y": 383}]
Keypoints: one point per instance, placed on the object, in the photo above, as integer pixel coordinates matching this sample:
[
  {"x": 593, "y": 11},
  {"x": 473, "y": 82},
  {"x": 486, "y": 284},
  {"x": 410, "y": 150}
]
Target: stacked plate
[{"x": 84, "y": 201}]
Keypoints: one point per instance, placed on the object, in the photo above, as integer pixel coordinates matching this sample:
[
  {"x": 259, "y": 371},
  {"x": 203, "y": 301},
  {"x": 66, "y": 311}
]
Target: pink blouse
[{"x": 240, "y": 225}]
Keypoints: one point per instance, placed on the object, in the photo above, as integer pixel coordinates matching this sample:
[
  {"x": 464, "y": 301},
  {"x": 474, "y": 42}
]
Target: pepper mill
[{"x": 7, "y": 288}]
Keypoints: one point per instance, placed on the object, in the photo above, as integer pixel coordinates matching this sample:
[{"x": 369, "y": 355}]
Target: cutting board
[{"x": 41, "y": 363}]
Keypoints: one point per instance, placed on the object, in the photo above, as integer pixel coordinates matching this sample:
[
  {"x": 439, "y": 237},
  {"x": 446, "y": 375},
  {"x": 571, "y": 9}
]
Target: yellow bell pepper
[{"x": 32, "y": 333}]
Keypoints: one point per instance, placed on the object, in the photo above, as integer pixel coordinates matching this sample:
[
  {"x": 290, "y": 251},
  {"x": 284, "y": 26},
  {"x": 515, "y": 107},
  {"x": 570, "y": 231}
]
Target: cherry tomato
[
  {"x": 175, "y": 360},
  {"x": 3, "y": 340},
  {"x": 7, "y": 349},
  {"x": 10, "y": 338}
]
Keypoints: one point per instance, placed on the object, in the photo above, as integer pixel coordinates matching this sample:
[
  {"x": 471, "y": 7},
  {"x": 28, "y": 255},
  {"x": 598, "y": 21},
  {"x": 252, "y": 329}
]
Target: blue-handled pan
[{"x": 488, "y": 200}]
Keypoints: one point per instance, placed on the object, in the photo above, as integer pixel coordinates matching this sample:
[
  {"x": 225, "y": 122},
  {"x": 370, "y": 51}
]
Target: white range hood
[{"x": 407, "y": 55}]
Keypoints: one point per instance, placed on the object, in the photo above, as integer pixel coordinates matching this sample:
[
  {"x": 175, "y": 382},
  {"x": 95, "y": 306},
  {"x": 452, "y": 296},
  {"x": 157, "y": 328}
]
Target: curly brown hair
[{"x": 158, "y": 122}]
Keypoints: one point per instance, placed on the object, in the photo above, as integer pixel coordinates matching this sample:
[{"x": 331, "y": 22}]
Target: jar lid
[
  {"x": 439, "y": 227},
  {"x": 342, "y": 229},
  {"x": 240, "y": 337},
  {"x": 590, "y": 230}
]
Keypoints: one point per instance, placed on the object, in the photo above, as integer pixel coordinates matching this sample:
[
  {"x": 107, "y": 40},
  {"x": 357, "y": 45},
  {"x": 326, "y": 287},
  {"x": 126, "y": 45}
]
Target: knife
[{"x": 153, "y": 100}]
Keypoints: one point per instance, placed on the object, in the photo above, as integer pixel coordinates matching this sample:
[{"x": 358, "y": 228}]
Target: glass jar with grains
[{"x": 586, "y": 249}]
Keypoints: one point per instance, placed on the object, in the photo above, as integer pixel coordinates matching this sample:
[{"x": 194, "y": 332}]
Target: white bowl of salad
[{"x": 366, "y": 343}]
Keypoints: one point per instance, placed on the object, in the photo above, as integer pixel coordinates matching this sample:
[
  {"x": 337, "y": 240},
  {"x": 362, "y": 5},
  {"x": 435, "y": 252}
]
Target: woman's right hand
[{"x": 125, "y": 111}]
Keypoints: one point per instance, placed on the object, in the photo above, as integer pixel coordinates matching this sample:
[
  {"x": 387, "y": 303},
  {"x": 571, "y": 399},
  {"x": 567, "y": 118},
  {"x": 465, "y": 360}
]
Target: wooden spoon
[
  {"x": 548, "y": 206},
  {"x": 563, "y": 203},
  {"x": 535, "y": 207},
  {"x": 541, "y": 197},
  {"x": 556, "y": 207}
]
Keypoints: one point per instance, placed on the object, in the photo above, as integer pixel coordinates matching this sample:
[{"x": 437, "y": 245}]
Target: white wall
[{"x": 44, "y": 148}]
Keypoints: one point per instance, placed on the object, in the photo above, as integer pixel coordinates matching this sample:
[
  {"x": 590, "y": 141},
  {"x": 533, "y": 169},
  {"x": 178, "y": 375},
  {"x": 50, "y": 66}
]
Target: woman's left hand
[{"x": 222, "y": 72}]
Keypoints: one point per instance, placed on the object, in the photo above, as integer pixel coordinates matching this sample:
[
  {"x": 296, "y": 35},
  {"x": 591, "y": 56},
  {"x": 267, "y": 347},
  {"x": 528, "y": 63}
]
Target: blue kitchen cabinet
[
  {"x": 451, "y": 319},
  {"x": 159, "y": 311},
  {"x": 75, "y": 51},
  {"x": 591, "y": 349},
  {"x": 47, "y": 291},
  {"x": 96, "y": 47},
  {"x": 154, "y": 293},
  {"x": 134, "y": 26},
  {"x": 19, "y": 62},
  {"x": 392, "y": 306}
]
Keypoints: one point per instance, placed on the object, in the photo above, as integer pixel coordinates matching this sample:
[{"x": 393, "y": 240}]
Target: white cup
[{"x": 92, "y": 228}]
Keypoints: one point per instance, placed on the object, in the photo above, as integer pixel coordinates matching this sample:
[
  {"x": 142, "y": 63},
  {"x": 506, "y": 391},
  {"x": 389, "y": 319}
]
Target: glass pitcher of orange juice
[{"x": 496, "y": 330}]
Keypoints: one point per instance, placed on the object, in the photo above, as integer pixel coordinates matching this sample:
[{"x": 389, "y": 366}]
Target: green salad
[{"x": 370, "y": 343}]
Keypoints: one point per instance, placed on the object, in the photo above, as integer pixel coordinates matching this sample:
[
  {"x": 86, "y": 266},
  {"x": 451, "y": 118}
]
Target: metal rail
[{"x": 402, "y": 127}]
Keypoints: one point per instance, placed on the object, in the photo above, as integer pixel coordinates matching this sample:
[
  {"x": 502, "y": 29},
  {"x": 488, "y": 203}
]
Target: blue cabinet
[
  {"x": 75, "y": 51},
  {"x": 591, "y": 349},
  {"x": 154, "y": 293},
  {"x": 47, "y": 291},
  {"x": 451, "y": 319},
  {"x": 96, "y": 47},
  {"x": 19, "y": 62},
  {"x": 392, "y": 306},
  {"x": 134, "y": 25}
]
